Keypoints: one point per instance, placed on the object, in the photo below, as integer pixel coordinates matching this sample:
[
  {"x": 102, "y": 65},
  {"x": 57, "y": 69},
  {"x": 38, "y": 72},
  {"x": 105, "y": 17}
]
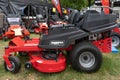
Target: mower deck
[{"x": 48, "y": 66}]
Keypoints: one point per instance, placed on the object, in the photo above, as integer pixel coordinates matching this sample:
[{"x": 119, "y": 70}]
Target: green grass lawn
[{"x": 110, "y": 70}]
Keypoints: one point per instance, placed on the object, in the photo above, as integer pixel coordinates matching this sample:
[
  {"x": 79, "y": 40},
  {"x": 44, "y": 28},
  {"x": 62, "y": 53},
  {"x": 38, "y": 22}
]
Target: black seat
[{"x": 78, "y": 19}]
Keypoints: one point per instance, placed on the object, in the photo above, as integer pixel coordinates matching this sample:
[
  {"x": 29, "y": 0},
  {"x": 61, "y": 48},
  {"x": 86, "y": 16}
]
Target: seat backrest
[
  {"x": 81, "y": 19},
  {"x": 13, "y": 19},
  {"x": 73, "y": 16}
]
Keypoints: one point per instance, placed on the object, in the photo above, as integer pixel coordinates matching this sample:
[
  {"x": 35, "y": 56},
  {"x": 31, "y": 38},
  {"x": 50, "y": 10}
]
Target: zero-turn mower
[
  {"x": 85, "y": 37},
  {"x": 12, "y": 25}
]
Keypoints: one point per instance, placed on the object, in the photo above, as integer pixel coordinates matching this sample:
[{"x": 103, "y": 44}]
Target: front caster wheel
[
  {"x": 85, "y": 57},
  {"x": 16, "y": 65}
]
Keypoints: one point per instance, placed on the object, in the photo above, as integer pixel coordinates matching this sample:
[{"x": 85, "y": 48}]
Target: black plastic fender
[{"x": 61, "y": 37}]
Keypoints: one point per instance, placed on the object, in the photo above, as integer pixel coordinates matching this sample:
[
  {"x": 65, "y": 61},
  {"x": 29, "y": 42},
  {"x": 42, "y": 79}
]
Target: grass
[{"x": 110, "y": 70}]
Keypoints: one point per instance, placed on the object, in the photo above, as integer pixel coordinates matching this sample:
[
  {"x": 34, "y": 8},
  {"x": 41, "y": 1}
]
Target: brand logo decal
[{"x": 57, "y": 43}]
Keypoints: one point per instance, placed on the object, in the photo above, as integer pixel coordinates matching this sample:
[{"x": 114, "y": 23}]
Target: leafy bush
[{"x": 76, "y": 4}]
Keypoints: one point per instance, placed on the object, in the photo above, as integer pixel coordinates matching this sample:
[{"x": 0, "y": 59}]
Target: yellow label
[{"x": 53, "y": 9}]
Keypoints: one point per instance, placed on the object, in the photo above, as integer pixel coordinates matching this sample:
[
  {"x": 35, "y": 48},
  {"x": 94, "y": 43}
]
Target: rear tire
[
  {"x": 115, "y": 39},
  {"x": 16, "y": 65},
  {"x": 86, "y": 57}
]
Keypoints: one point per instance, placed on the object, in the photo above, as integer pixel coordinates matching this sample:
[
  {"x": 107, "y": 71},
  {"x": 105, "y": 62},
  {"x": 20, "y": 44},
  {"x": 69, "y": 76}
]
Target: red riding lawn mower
[
  {"x": 112, "y": 7},
  {"x": 13, "y": 28},
  {"x": 86, "y": 36},
  {"x": 12, "y": 24}
]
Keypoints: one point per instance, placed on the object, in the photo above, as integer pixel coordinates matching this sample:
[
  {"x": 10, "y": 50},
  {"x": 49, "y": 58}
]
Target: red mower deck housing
[{"x": 48, "y": 66}]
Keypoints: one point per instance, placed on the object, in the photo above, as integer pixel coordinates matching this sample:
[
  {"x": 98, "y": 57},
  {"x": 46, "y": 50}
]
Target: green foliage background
[{"x": 76, "y": 4}]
